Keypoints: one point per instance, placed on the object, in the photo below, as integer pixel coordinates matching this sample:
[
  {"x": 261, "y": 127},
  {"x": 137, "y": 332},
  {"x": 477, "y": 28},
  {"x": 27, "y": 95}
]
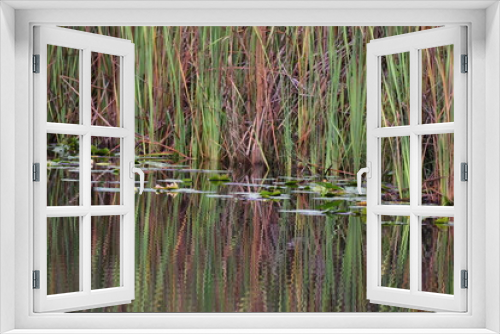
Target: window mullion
[
  {"x": 86, "y": 251},
  {"x": 415, "y": 253},
  {"x": 86, "y": 254}
]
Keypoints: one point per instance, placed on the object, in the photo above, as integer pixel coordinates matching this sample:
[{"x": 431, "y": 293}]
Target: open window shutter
[
  {"x": 405, "y": 73},
  {"x": 83, "y": 168}
]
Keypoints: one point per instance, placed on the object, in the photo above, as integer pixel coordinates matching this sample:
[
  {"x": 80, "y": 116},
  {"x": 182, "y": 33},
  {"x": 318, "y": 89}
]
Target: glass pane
[
  {"x": 437, "y": 169},
  {"x": 395, "y": 255},
  {"x": 395, "y": 164},
  {"x": 437, "y": 254},
  {"x": 63, "y": 85},
  {"x": 395, "y": 90},
  {"x": 63, "y": 255},
  {"x": 105, "y": 171},
  {"x": 437, "y": 84},
  {"x": 105, "y": 252},
  {"x": 63, "y": 170},
  {"x": 105, "y": 89}
]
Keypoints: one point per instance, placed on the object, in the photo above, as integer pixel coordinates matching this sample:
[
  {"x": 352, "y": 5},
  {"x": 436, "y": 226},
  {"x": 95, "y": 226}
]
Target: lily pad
[
  {"x": 331, "y": 206},
  {"x": 292, "y": 183},
  {"x": 220, "y": 178},
  {"x": 273, "y": 193},
  {"x": 100, "y": 151}
]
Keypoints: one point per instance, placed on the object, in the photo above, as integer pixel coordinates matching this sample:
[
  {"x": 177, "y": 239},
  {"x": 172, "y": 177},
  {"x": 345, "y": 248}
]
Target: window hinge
[
  {"x": 464, "y": 279},
  {"x": 464, "y": 171},
  {"x": 36, "y": 279},
  {"x": 36, "y": 172},
  {"x": 36, "y": 63},
  {"x": 465, "y": 64}
]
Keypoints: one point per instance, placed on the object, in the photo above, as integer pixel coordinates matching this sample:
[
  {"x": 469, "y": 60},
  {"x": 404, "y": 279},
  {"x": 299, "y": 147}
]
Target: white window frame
[
  {"x": 412, "y": 44},
  {"x": 484, "y": 49},
  {"x": 86, "y": 44}
]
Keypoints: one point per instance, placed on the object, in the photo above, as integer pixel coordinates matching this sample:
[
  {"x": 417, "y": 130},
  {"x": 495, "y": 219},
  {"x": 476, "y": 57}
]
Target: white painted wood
[
  {"x": 489, "y": 167},
  {"x": 76, "y": 129},
  {"x": 407, "y": 210},
  {"x": 414, "y": 297},
  {"x": 95, "y": 210},
  {"x": 421, "y": 129},
  {"x": 257, "y": 331},
  {"x": 470, "y": 322},
  {"x": 415, "y": 168},
  {"x": 246, "y": 4},
  {"x": 86, "y": 298},
  {"x": 7, "y": 167}
]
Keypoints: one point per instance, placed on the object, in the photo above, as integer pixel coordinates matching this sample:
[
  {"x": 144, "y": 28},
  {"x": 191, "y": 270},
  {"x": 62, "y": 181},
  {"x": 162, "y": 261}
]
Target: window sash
[
  {"x": 85, "y": 298},
  {"x": 414, "y": 298}
]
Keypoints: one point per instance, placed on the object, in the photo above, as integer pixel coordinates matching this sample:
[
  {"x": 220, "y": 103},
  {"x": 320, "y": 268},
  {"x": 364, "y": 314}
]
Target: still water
[{"x": 250, "y": 241}]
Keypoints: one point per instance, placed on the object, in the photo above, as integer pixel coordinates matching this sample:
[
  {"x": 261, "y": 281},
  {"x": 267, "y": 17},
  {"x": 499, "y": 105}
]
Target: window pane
[
  {"x": 395, "y": 89},
  {"x": 395, "y": 164},
  {"x": 437, "y": 169},
  {"x": 437, "y": 84},
  {"x": 105, "y": 89},
  {"x": 105, "y": 252},
  {"x": 437, "y": 254},
  {"x": 63, "y": 170},
  {"x": 105, "y": 171},
  {"x": 395, "y": 252},
  {"x": 63, "y": 255},
  {"x": 63, "y": 85}
]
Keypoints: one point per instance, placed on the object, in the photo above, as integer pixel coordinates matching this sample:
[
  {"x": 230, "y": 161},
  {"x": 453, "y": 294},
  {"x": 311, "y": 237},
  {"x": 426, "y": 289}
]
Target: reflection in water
[
  {"x": 216, "y": 250},
  {"x": 232, "y": 241}
]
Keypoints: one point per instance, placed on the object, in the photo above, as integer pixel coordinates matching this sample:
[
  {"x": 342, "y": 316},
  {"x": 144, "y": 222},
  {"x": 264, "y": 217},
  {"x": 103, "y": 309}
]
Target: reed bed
[
  {"x": 280, "y": 101},
  {"x": 290, "y": 98}
]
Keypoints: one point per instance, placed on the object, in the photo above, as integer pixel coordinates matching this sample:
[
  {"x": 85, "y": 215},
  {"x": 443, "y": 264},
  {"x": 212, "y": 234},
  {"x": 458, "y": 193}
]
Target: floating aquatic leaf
[
  {"x": 327, "y": 189},
  {"x": 329, "y": 186},
  {"x": 99, "y": 151},
  {"x": 273, "y": 193},
  {"x": 292, "y": 183},
  {"x": 331, "y": 206},
  {"x": 169, "y": 188},
  {"x": 220, "y": 178}
]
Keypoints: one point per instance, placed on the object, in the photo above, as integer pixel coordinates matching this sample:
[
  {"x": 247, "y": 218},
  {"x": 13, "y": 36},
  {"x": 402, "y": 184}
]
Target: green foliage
[
  {"x": 292, "y": 184},
  {"x": 100, "y": 151},
  {"x": 220, "y": 178},
  {"x": 331, "y": 206},
  {"x": 327, "y": 189},
  {"x": 272, "y": 193}
]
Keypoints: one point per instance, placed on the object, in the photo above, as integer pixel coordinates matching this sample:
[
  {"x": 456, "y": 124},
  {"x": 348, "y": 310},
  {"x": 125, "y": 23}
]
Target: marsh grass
[{"x": 287, "y": 101}]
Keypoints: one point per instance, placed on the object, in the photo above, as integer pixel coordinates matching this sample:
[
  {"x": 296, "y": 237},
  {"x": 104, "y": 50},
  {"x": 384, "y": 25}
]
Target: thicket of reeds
[{"x": 288, "y": 99}]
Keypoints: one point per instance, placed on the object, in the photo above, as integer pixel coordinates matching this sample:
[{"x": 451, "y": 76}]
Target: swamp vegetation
[{"x": 250, "y": 138}]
